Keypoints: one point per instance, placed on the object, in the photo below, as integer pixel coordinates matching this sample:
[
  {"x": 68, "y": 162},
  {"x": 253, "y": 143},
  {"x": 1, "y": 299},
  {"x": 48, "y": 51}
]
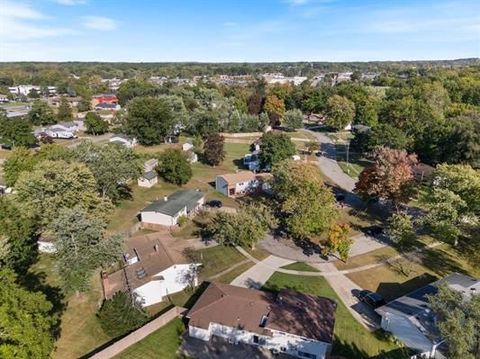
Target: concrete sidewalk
[{"x": 259, "y": 274}]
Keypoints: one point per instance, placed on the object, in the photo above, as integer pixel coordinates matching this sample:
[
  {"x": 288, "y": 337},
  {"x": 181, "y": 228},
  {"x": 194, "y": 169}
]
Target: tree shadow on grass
[
  {"x": 440, "y": 262},
  {"x": 391, "y": 291},
  {"x": 344, "y": 350},
  {"x": 36, "y": 282}
]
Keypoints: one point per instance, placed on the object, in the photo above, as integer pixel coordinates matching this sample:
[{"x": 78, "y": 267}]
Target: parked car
[
  {"x": 214, "y": 203},
  {"x": 340, "y": 197},
  {"x": 370, "y": 298},
  {"x": 374, "y": 231}
]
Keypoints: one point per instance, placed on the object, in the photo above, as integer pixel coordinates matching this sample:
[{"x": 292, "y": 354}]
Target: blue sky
[{"x": 238, "y": 30}]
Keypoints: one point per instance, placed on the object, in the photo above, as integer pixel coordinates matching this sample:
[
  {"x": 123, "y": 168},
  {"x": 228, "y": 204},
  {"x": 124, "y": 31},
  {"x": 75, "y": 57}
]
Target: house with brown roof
[
  {"x": 297, "y": 324},
  {"x": 240, "y": 183},
  {"x": 150, "y": 271}
]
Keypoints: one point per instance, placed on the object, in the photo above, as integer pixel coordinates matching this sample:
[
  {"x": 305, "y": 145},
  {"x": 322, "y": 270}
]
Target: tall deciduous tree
[
  {"x": 213, "y": 149},
  {"x": 112, "y": 166},
  {"x": 390, "y": 177},
  {"x": 338, "y": 241},
  {"x": 64, "y": 112},
  {"x": 306, "y": 205},
  {"x": 458, "y": 319},
  {"x": 275, "y": 108},
  {"x": 275, "y": 148},
  {"x": 20, "y": 160},
  {"x": 95, "y": 124},
  {"x": 41, "y": 114},
  {"x": 18, "y": 234},
  {"x": 54, "y": 185},
  {"x": 340, "y": 112},
  {"x": 174, "y": 167},
  {"x": 150, "y": 120},
  {"x": 244, "y": 228},
  {"x": 15, "y": 132},
  {"x": 293, "y": 119},
  {"x": 400, "y": 229},
  {"x": 26, "y": 321},
  {"x": 81, "y": 246}
]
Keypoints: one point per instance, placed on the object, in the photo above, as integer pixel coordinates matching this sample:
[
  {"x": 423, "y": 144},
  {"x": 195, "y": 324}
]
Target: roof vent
[
  {"x": 155, "y": 247},
  {"x": 263, "y": 321},
  {"x": 165, "y": 198},
  {"x": 141, "y": 273}
]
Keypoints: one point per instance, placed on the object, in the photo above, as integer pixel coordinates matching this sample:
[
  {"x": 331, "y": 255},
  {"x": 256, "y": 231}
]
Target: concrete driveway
[
  {"x": 219, "y": 348},
  {"x": 259, "y": 274}
]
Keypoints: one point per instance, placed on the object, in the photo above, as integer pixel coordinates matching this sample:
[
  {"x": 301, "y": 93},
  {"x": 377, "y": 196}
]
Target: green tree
[
  {"x": 64, "y": 112},
  {"x": 54, "y": 185},
  {"x": 275, "y": 148},
  {"x": 16, "y": 132},
  {"x": 19, "y": 236},
  {"x": 174, "y": 167},
  {"x": 293, "y": 119},
  {"x": 121, "y": 314},
  {"x": 458, "y": 319},
  {"x": 82, "y": 246},
  {"x": 131, "y": 89},
  {"x": 41, "y": 114},
  {"x": 388, "y": 136},
  {"x": 112, "y": 166},
  {"x": 214, "y": 149},
  {"x": 400, "y": 229},
  {"x": 26, "y": 320},
  {"x": 95, "y": 124},
  {"x": 244, "y": 228},
  {"x": 149, "y": 120},
  {"x": 339, "y": 111},
  {"x": 306, "y": 206},
  {"x": 20, "y": 160},
  {"x": 443, "y": 214}
]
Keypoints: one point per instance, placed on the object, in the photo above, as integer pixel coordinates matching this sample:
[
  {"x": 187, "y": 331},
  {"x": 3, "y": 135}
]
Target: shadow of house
[{"x": 391, "y": 291}]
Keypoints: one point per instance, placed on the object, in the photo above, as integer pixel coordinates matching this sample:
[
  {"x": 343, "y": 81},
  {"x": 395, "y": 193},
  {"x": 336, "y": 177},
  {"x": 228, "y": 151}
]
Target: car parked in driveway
[
  {"x": 372, "y": 299},
  {"x": 214, "y": 203}
]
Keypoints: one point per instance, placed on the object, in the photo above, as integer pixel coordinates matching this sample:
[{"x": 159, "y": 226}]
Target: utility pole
[{"x": 348, "y": 152}]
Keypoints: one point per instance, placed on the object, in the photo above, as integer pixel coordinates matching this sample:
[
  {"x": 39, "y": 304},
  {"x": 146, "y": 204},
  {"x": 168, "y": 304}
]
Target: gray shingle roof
[
  {"x": 175, "y": 202},
  {"x": 149, "y": 175}
]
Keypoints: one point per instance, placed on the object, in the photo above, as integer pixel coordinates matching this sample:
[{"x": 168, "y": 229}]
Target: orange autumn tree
[
  {"x": 338, "y": 241},
  {"x": 390, "y": 177}
]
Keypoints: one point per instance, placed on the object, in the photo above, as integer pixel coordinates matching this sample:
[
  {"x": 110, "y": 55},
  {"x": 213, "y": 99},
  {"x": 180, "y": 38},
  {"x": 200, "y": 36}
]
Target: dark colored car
[
  {"x": 214, "y": 203},
  {"x": 370, "y": 298},
  {"x": 374, "y": 231}
]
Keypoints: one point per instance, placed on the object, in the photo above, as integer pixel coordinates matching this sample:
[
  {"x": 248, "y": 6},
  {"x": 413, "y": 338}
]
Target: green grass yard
[
  {"x": 162, "y": 344},
  {"x": 352, "y": 340}
]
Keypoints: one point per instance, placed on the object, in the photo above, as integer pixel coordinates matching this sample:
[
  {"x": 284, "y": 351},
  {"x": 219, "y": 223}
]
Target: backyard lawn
[
  {"x": 352, "y": 340},
  {"x": 405, "y": 275},
  {"x": 162, "y": 344}
]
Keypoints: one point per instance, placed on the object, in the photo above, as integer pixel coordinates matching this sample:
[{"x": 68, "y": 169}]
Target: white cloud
[
  {"x": 19, "y": 22},
  {"x": 99, "y": 23},
  {"x": 18, "y": 11},
  {"x": 71, "y": 2}
]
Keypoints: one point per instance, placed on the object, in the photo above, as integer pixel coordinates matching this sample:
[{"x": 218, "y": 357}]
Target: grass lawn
[
  {"x": 80, "y": 332},
  {"x": 162, "y": 344},
  {"x": 356, "y": 163},
  {"x": 300, "y": 266},
  {"x": 405, "y": 275},
  {"x": 217, "y": 259},
  {"x": 375, "y": 256},
  {"x": 352, "y": 340}
]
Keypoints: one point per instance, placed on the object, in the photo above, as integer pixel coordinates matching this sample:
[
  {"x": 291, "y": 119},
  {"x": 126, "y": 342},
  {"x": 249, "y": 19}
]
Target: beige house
[{"x": 240, "y": 183}]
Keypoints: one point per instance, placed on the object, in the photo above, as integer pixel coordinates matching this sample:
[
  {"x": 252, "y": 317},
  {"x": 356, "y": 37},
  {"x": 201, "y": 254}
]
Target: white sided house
[
  {"x": 150, "y": 271},
  {"x": 240, "y": 183},
  {"x": 297, "y": 324},
  {"x": 123, "y": 140},
  {"x": 167, "y": 211},
  {"x": 410, "y": 319},
  {"x": 149, "y": 177}
]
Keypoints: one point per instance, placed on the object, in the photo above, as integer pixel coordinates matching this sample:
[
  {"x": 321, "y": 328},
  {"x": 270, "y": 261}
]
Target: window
[
  {"x": 255, "y": 339},
  {"x": 307, "y": 355}
]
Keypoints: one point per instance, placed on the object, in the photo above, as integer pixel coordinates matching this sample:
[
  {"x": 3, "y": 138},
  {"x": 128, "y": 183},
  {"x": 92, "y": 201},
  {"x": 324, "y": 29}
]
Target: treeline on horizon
[{"x": 39, "y": 73}]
